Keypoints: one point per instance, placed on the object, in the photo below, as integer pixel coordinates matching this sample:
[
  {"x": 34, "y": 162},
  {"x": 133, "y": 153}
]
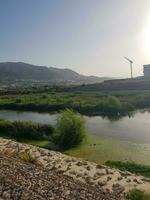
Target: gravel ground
[
  {"x": 23, "y": 181},
  {"x": 56, "y": 176}
]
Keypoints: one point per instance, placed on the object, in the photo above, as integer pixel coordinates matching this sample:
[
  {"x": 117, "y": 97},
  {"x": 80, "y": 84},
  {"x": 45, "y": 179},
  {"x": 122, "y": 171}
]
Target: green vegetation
[
  {"x": 91, "y": 103},
  {"x": 131, "y": 167},
  {"x": 70, "y": 130},
  {"x": 21, "y": 130},
  {"x": 137, "y": 195},
  {"x": 27, "y": 157}
]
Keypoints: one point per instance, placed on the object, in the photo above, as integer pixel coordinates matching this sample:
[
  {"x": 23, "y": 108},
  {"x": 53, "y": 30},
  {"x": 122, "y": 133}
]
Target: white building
[{"x": 146, "y": 71}]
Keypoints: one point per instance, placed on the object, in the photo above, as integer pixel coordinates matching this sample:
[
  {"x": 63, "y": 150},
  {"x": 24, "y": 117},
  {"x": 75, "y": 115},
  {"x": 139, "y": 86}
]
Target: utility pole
[{"x": 131, "y": 62}]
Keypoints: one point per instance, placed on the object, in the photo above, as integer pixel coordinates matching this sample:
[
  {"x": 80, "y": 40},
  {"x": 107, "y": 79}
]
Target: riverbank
[
  {"x": 120, "y": 140},
  {"x": 96, "y": 181},
  {"x": 91, "y": 103}
]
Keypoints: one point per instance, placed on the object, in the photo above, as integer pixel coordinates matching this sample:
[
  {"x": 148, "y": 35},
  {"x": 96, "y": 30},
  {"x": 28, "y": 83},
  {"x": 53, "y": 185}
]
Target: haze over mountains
[{"x": 17, "y": 72}]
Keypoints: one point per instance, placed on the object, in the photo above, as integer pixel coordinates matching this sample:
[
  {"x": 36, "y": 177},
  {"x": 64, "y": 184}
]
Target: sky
[{"x": 88, "y": 36}]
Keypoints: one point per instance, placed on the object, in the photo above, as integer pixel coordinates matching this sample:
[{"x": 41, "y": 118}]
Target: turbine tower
[{"x": 131, "y": 62}]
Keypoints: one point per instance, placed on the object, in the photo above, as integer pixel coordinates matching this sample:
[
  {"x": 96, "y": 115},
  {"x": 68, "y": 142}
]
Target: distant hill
[{"x": 15, "y": 72}]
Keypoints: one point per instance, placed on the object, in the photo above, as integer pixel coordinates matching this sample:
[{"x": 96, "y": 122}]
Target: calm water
[{"x": 135, "y": 129}]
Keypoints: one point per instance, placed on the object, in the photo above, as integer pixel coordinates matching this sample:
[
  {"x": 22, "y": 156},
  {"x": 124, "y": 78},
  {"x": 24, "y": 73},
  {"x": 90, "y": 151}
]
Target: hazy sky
[{"x": 88, "y": 36}]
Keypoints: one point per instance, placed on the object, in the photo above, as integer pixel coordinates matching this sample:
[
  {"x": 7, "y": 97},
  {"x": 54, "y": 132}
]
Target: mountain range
[{"x": 19, "y": 72}]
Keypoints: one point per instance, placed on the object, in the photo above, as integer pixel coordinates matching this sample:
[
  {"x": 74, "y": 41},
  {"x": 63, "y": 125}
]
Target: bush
[
  {"x": 51, "y": 146},
  {"x": 70, "y": 130},
  {"x": 6, "y": 127},
  {"x": 111, "y": 105}
]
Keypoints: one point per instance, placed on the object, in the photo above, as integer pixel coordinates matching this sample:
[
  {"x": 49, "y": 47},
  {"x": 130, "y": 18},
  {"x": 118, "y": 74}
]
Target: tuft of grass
[
  {"x": 132, "y": 167},
  {"x": 28, "y": 157},
  {"x": 136, "y": 194}
]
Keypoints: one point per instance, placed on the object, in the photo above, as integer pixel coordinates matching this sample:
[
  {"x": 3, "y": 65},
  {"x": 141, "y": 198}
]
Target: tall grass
[{"x": 25, "y": 130}]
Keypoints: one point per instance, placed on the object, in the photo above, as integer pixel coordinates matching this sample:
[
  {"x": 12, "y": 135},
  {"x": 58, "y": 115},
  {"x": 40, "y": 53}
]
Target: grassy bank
[
  {"x": 131, "y": 167},
  {"x": 90, "y": 103}
]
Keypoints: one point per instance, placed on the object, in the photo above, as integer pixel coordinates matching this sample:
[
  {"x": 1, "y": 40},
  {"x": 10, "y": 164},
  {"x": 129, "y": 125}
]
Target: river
[{"x": 134, "y": 129}]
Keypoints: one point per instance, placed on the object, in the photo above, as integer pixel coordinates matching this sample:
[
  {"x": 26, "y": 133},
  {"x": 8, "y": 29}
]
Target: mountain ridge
[{"x": 12, "y": 72}]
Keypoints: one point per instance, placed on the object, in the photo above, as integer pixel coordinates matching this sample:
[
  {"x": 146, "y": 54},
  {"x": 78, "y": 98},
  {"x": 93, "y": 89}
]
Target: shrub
[
  {"x": 70, "y": 130},
  {"x": 18, "y": 100},
  {"x": 111, "y": 105},
  {"x": 51, "y": 146},
  {"x": 6, "y": 127}
]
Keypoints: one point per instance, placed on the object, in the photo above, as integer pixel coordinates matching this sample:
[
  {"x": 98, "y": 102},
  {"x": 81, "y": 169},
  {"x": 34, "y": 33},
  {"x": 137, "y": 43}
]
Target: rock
[
  {"x": 119, "y": 178},
  {"x": 88, "y": 168},
  {"x": 136, "y": 181},
  {"x": 67, "y": 160},
  {"x": 128, "y": 180},
  {"x": 125, "y": 173},
  {"x": 79, "y": 163},
  {"x": 101, "y": 183},
  {"x": 146, "y": 180},
  {"x": 99, "y": 167},
  {"x": 109, "y": 178}
]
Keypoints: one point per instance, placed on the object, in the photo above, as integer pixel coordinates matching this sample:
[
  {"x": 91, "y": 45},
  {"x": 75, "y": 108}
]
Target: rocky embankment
[{"x": 55, "y": 176}]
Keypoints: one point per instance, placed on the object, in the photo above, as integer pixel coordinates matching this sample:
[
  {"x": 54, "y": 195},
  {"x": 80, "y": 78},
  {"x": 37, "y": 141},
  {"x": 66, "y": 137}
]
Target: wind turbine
[{"x": 131, "y": 62}]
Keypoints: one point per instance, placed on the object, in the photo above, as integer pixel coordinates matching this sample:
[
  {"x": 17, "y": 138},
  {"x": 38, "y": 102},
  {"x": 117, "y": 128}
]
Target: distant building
[{"x": 146, "y": 71}]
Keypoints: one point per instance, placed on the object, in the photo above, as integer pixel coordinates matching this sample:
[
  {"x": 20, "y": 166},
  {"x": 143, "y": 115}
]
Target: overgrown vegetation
[
  {"x": 131, "y": 167},
  {"x": 70, "y": 130},
  {"x": 136, "y": 194},
  {"x": 91, "y": 103},
  {"x": 25, "y": 130}
]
